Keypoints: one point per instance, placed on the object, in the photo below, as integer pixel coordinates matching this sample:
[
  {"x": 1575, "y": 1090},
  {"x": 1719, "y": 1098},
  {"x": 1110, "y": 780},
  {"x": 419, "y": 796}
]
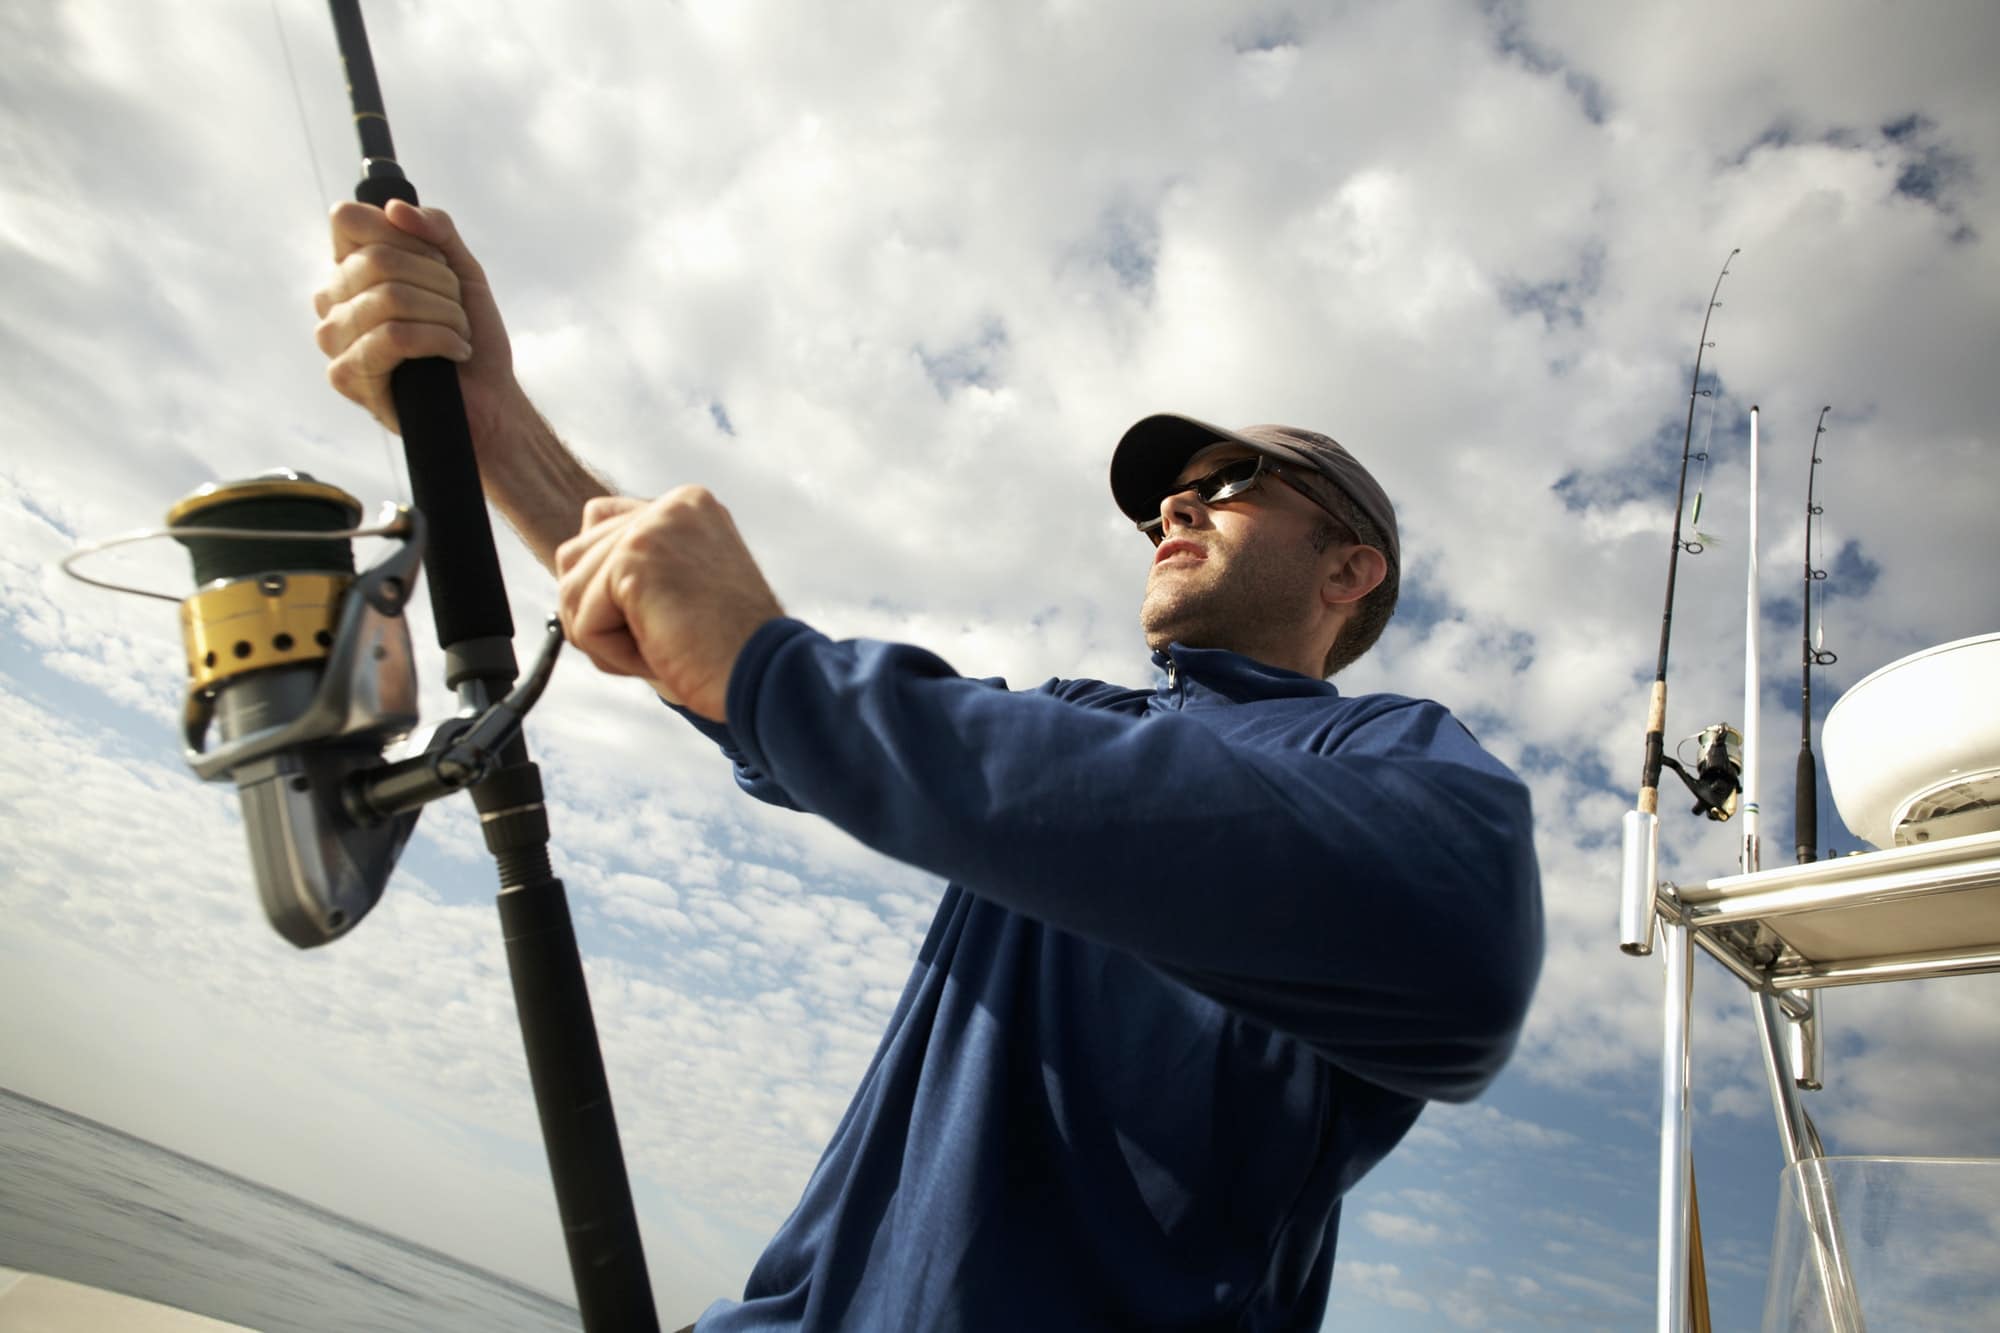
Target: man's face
[{"x": 1244, "y": 574}]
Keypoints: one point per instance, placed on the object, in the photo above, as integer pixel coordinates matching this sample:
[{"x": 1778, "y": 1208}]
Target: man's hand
[
  {"x": 664, "y": 590},
  {"x": 405, "y": 286}
]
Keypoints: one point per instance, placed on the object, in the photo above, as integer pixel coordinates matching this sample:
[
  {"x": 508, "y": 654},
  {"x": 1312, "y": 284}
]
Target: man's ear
[{"x": 1359, "y": 573}]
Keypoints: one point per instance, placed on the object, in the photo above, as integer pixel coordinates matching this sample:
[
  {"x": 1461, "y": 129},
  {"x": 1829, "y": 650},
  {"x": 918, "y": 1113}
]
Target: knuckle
[
  {"x": 360, "y": 270},
  {"x": 382, "y": 304},
  {"x": 347, "y": 381},
  {"x": 404, "y": 338},
  {"x": 689, "y": 497}
]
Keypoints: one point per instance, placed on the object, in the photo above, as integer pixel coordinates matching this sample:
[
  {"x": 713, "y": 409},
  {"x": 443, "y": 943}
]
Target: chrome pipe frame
[
  {"x": 1889, "y": 967},
  {"x": 1792, "y": 980},
  {"x": 1724, "y": 951},
  {"x": 1873, "y": 878},
  {"x": 1731, "y": 917},
  {"x": 1676, "y": 1133},
  {"x": 1801, "y": 1143}
]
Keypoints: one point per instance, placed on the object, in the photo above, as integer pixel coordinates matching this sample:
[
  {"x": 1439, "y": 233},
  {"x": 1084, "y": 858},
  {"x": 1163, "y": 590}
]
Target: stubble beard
[{"x": 1240, "y": 600}]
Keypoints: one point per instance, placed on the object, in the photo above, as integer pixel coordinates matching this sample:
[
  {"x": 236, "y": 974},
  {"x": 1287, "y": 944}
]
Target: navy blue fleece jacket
[{"x": 1205, "y": 953}]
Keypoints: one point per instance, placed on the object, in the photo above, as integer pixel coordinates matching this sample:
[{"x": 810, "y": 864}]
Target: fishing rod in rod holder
[
  {"x": 1805, "y": 833},
  {"x": 1716, "y": 783},
  {"x": 1640, "y": 860}
]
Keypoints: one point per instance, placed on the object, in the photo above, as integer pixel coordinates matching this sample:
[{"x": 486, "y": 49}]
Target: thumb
[{"x": 434, "y": 226}]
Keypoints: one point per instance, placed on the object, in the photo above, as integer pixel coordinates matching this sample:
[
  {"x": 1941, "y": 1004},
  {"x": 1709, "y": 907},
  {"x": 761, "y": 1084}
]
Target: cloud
[
  {"x": 891, "y": 283},
  {"x": 1401, "y": 1229},
  {"x": 1382, "y": 1283}
]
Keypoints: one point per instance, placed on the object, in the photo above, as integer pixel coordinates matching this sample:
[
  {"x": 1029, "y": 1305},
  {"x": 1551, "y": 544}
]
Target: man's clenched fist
[{"x": 664, "y": 590}]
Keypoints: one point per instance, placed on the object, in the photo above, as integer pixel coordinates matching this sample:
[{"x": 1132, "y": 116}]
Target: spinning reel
[{"x": 300, "y": 675}]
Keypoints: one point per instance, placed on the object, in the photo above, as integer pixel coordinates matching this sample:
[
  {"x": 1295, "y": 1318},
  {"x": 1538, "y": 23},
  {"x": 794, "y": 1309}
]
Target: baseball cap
[{"x": 1153, "y": 452}]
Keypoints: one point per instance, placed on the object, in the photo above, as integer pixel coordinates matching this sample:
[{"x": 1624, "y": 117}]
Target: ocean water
[{"x": 81, "y": 1201}]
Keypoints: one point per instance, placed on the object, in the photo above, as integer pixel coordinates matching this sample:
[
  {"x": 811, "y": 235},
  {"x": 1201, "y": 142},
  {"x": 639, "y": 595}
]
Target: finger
[
  {"x": 579, "y": 555},
  {"x": 620, "y": 665},
  {"x": 362, "y": 372},
  {"x": 582, "y": 590},
  {"x": 435, "y": 227},
  {"x": 354, "y": 225},
  {"x": 373, "y": 266},
  {"x": 598, "y": 528},
  {"x": 351, "y": 320},
  {"x": 593, "y": 617},
  {"x": 379, "y": 351},
  {"x": 371, "y": 392},
  {"x": 604, "y": 508}
]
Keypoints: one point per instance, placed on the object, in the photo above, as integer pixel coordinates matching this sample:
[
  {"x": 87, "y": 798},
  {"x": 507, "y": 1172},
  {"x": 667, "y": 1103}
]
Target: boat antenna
[
  {"x": 1812, "y": 653},
  {"x": 1753, "y": 696}
]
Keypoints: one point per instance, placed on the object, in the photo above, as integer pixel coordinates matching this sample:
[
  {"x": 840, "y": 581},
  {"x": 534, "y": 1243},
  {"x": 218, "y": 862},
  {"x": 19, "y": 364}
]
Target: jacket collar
[{"x": 1234, "y": 676}]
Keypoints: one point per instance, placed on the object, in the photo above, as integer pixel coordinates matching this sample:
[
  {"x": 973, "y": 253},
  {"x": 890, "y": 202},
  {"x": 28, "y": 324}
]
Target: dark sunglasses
[{"x": 1226, "y": 483}]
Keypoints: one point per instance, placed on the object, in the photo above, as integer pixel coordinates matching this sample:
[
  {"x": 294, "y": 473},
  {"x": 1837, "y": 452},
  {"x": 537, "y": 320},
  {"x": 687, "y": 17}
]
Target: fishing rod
[
  {"x": 1806, "y": 805},
  {"x": 300, "y": 673},
  {"x": 475, "y": 629},
  {"x": 1682, "y": 1293},
  {"x": 1639, "y": 902}
]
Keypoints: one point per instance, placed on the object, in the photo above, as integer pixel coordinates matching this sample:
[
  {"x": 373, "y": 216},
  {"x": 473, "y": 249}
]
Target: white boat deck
[{"x": 34, "y": 1303}]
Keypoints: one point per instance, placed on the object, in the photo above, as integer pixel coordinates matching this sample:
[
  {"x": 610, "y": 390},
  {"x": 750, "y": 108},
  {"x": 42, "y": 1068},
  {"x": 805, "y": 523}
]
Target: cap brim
[{"x": 1150, "y": 456}]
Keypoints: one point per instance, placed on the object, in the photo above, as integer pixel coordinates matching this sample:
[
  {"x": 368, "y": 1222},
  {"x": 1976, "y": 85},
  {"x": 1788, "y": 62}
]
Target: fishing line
[
  {"x": 299, "y": 104},
  {"x": 1701, "y": 539},
  {"x": 1817, "y": 538},
  {"x": 396, "y": 477}
]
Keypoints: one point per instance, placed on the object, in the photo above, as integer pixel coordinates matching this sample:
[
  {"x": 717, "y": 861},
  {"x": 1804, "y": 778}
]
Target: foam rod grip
[
  {"x": 1805, "y": 816},
  {"x": 468, "y": 599}
]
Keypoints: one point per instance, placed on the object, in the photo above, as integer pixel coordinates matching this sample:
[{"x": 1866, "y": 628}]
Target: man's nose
[{"x": 1181, "y": 509}]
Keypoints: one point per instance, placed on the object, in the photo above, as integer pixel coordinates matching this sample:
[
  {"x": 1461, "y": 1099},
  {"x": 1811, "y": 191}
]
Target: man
[{"x": 1207, "y": 949}]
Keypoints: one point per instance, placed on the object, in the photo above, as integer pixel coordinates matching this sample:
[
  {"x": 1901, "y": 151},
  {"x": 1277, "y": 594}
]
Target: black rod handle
[
  {"x": 1805, "y": 817},
  {"x": 468, "y": 599}
]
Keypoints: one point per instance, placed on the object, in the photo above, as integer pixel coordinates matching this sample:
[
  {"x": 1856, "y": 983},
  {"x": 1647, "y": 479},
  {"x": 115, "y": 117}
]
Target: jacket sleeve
[
  {"x": 1381, "y": 901},
  {"x": 748, "y": 776}
]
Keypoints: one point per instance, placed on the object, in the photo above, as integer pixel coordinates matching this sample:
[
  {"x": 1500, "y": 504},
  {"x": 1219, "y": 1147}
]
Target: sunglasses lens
[{"x": 1228, "y": 480}]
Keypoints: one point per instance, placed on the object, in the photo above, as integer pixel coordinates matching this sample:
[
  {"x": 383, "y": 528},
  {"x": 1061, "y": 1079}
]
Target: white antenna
[{"x": 1750, "y": 645}]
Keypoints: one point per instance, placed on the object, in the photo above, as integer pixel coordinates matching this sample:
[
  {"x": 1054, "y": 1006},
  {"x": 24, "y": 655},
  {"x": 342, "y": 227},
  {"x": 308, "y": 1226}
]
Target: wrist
[{"x": 531, "y": 477}]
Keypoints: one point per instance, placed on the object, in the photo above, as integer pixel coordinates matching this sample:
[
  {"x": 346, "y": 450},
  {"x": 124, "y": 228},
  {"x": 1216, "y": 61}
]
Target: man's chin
[{"x": 1165, "y": 624}]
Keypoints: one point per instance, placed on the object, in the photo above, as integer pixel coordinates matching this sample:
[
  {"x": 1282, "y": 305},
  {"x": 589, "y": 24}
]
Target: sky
[{"x": 891, "y": 278}]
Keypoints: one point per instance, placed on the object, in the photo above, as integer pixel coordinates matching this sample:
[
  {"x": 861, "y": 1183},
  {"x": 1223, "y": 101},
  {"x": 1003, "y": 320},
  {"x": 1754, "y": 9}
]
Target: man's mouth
[{"x": 1179, "y": 546}]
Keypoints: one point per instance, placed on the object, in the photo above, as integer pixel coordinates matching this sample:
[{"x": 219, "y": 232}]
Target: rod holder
[
  {"x": 1639, "y": 886},
  {"x": 1804, "y": 1045}
]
